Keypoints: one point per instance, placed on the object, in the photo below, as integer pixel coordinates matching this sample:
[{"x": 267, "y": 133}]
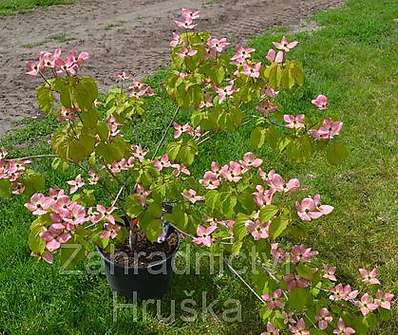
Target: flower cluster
[
  {"x": 47, "y": 60},
  {"x": 139, "y": 89},
  {"x": 186, "y": 128},
  {"x": 283, "y": 47},
  {"x": 64, "y": 215},
  {"x": 189, "y": 16},
  {"x": 12, "y": 170}
]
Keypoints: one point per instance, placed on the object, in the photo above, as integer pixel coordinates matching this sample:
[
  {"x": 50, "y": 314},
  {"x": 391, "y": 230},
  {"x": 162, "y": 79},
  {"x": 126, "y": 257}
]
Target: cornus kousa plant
[{"x": 123, "y": 193}]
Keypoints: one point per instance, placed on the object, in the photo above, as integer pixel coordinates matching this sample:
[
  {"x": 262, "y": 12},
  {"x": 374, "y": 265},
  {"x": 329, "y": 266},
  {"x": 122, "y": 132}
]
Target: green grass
[
  {"x": 8, "y": 7},
  {"x": 353, "y": 59}
]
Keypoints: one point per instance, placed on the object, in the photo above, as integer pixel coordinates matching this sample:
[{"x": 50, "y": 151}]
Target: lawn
[
  {"x": 8, "y": 7},
  {"x": 352, "y": 59}
]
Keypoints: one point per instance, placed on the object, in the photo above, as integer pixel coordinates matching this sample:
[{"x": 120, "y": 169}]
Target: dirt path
[{"x": 123, "y": 35}]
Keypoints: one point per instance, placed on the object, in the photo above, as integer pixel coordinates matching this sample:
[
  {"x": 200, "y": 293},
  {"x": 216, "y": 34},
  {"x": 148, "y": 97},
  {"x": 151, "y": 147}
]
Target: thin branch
[
  {"x": 33, "y": 157},
  {"x": 243, "y": 281},
  {"x": 117, "y": 196},
  {"x": 165, "y": 133}
]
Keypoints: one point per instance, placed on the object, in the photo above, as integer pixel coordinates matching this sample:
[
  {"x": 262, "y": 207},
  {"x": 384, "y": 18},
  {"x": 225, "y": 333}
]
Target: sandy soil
[{"x": 123, "y": 35}]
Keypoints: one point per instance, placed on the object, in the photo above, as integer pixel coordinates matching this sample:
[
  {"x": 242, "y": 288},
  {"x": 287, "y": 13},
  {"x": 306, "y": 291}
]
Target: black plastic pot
[{"x": 149, "y": 282}]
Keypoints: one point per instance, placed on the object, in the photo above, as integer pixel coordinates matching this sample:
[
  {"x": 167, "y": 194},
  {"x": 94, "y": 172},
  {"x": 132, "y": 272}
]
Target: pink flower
[
  {"x": 288, "y": 318},
  {"x": 93, "y": 178},
  {"x": 369, "y": 277},
  {"x": 277, "y": 253},
  {"x": 141, "y": 194},
  {"x": 285, "y": 45},
  {"x": 276, "y": 182},
  {"x": 164, "y": 162},
  {"x": 321, "y": 101},
  {"x": 294, "y": 281},
  {"x": 241, "y": 54},
  {"x": 138, "y": 152},
  {"x": 250, "y": 160},
  {"x": 34, "y": 68},
  {"x": 273, "y": 56},
  {"x": 61, "y": 206},
  {"x": 76, "y": 184},
  {"x": 186, "y": 24},
  {"x": 72, "y": 63},
  {"x": 257, "y": 230},
  {"x": 252, "y": 71},
  {"x": 55, "y": 236},
  {"x": 180, "y": 129},
  {"x": 190, "y": 14},
  {"x": 192, "y": 196},
  {"x": 366, "y": 305},
  {"x": 270, "y": 92},
  {"x": 340, "y": 292},
  {"x": 273, "y": 300},
  {"x": 76, "y": 215},
  {"x": 263, "y": 196},
  {"x": 139, "y": 89},
  {"x": 299, "y": 253},
  {"x": 122, "y": 76},
  {"x": 271, "y": 330},
  {"x": 383, "y": 300},
  {"x": 217, "y": 45},
  {"x": 39, "y": 204},
  {"x": 299, "y": 328},
  {"x": 45, "y": 256},
  {"x": 204, "y": 235},
  {"x": 225, "y": 92},
  {"x": 324, "y": 318},
  {"x": 103, "y": 214},
  {"x": 307, "y": 211},
  {"x": 329, "y": 273},
  {"x": 210, "y": 180},
  {"x": 187, "y": 52},
  {"x": 342, "y": 329},
  {"x": 113, "y": 126},
  {"x": 180, "y": 168},
  {"x": 294, "y": 121},
  {"x": 48, "y": 59},
  {"x": 324, "y": 209},
  {"x": 328, "y": 130},
  {"x": 232, "y": 172},
  {"x": 110, "y": 231},
  {"x": 175, "y": 40}
]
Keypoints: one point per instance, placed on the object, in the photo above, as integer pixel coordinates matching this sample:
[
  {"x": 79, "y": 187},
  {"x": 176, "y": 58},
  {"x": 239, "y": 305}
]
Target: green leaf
[
  {"x": 5, "y": 188},
  {"x": 36, "y": 244},
  {"x": 33, "y": 182},
  {"x": 279, "y": 225},
  {"x": 133, "y": 207},
  {"x": 257, "y": 138},
  {"x": 300, "y": 149},
  {"x": 299, "y": 299},
  {"x": 85, "y": 92},
  {"x": 246, "y": 201},
  {"x": 151, "y": 222},
  {"x": 336, "y": 153},
  {"x": 239, "y": 228},
  {"x": 62, "y": 86},
  {"x": 45, "y": 98},
  {"x": 268, "y": 212}
]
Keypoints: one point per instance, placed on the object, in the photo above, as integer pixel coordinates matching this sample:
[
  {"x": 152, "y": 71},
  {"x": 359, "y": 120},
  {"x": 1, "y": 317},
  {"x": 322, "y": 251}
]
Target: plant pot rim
[{"x": 147, "y": 266}]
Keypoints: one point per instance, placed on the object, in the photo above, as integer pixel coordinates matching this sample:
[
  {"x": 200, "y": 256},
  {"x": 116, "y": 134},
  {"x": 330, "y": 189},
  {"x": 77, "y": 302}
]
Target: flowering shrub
[{"x": 235, "y": 207}]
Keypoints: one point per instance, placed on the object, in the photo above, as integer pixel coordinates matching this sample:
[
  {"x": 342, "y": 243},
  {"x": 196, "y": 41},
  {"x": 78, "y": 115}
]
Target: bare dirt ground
[{"x": 128, "y": 35}]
